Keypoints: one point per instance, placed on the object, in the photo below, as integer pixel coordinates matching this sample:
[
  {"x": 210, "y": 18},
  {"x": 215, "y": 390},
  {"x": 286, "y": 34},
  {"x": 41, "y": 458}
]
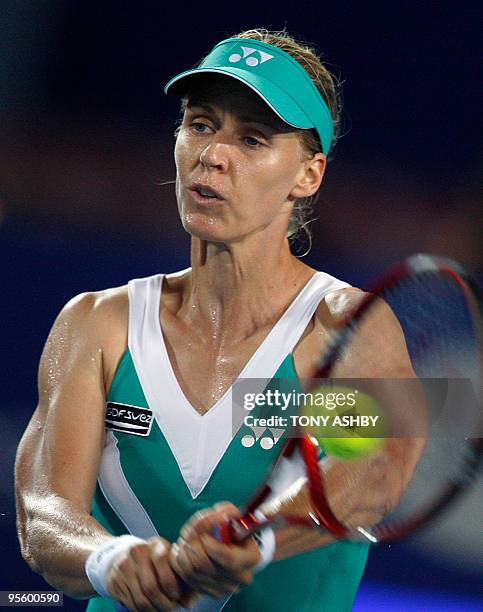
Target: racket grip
[{"x": 205, "y": 603}]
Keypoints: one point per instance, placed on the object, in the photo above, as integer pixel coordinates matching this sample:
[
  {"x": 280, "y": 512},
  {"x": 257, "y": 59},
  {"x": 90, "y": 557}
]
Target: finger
[
  {"x": 117, "y": 588},
  {"x": 201, "y": 573},
  {"x": 123, "y": 584},
  {"x": 193, "y": 566},
  {"x": 205, "y": 520},
  {"x": 207, "y": 575},
  {"x": 227, "y": 508},
  {"x": 164, "y": 572},
  {"x": 201, "y": 522},
  {"x": 200, "y": 562},
  {"x": 131, "y": 593},
  {"x": 156, "y": 592},
  {"x": 231, "y": 556},
  {"x": 180, "y": 563},
  {"x": 127, "y": 599},
  {"x": 141, "y": 579}
]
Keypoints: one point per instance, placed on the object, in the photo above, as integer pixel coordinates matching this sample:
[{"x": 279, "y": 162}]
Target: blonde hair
[{"x": 329, "y": 87}]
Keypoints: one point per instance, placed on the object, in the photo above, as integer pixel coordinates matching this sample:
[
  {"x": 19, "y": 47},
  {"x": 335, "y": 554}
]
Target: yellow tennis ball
[
  {"x": 350, "y": 447},
  {"x": 347, "y": 423}
]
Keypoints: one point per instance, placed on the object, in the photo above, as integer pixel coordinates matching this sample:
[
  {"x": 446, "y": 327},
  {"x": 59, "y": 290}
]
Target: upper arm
[
  {"x": 60, "y": 451},
  {"x": 378, "y": 348}
]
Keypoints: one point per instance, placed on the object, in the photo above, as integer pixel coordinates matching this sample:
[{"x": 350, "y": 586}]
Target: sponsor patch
[{"x": 128, "y": 419}]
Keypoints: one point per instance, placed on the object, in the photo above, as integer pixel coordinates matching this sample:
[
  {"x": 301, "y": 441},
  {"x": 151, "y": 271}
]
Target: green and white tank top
[{"x": 163, "y": 461}]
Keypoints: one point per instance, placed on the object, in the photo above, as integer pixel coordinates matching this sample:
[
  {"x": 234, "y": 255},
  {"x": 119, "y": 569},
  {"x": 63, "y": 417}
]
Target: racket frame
[{"x": 239, "y": 529}]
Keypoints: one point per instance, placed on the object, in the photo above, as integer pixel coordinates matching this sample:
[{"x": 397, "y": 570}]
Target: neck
[{"x": 234, "y": 290}]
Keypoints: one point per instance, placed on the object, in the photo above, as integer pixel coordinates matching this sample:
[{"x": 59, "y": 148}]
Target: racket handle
[{"x": 204, "y": 603}]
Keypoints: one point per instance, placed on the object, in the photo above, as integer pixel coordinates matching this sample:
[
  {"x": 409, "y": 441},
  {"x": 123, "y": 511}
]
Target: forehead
[{"x": 227, "y": 93}]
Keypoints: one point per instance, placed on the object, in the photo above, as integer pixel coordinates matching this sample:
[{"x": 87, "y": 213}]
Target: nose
[{"x": 215, "y": 155}]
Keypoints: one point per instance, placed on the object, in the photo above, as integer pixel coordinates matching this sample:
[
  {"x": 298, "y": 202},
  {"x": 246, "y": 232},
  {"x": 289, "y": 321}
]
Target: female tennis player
[{"x": 132, "y": 447}]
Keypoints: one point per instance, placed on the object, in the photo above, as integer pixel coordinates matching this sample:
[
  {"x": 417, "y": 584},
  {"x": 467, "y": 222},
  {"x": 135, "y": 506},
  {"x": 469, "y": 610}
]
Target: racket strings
[
  {"x": 437, "y": 323},
  {"x": 442, "y": 331}
]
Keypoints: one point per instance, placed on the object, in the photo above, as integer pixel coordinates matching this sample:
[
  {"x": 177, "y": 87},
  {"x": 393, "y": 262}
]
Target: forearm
[
  {"x": 56, "y": 539},
  {"x": 360, "y": 494},
  {"x": 291, "y": 541}
]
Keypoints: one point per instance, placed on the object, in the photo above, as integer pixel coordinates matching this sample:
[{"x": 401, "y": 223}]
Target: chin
[{"x": 204, "y": 228}]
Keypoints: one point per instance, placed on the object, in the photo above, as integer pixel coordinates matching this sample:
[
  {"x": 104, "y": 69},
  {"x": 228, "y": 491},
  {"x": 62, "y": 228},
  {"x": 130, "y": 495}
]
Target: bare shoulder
[
  {"x": 103, "y": 314},
  {"x": 378, "y": 332},
  {"x": 330, "y": 314},
  {"x": 94, "y": 323},
  {"x": 379, "y": 346},
  {"x": 338, "y": 305},
  {"x": 98, "y": 307}
]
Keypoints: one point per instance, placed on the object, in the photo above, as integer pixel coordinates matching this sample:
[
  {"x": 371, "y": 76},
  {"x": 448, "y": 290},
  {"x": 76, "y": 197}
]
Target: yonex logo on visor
[
  {"x": 284, "y": 85},
  {"x": 250, "y": 59}
]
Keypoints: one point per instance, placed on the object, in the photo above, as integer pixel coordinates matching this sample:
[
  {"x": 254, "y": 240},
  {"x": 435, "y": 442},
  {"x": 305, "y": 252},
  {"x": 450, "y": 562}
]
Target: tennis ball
[
  {"x": 347, "y": 423},
  {"x": 350, "y": 448}
]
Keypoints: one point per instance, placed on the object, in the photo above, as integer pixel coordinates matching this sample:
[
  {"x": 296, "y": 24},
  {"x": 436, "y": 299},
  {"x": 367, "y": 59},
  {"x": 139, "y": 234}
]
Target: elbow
[
  {"x": 27, "y": 547},
  {"x": 31, "y": 560},
  {"x": 75, "y": 589},
  {"x": 26, "y": 530},
  {"x": 32, "y": 548}
]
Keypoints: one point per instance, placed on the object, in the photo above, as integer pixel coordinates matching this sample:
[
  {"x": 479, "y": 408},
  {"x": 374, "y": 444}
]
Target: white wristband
[
  {"x": 100, "y": 561},
  {"x": 266, "y": 544}
]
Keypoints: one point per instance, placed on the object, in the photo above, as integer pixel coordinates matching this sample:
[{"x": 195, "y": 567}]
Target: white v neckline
[
  {"x": 249, "y": 366},
  {"x": 199, "y": 442}
]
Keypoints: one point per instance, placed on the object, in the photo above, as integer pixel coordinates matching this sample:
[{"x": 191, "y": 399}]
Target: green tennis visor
[{"x": 274, "y": 75}]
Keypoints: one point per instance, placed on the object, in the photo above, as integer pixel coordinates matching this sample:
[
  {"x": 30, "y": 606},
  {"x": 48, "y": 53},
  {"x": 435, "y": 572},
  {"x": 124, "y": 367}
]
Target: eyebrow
[{"x": 243, "y": 118}]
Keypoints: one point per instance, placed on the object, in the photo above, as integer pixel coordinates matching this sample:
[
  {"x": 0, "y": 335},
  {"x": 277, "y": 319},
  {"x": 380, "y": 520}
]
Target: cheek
[
  {"x": 273, "y": 178},
  {"x": 185, "y": 153},
  {"x": 179, "y": 153},
  {"x": 182, "y": 161}
]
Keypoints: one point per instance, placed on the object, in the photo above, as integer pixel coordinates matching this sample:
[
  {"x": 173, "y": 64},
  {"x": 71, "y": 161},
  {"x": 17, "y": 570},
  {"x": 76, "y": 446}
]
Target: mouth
[{"x": 205, "y": 194}]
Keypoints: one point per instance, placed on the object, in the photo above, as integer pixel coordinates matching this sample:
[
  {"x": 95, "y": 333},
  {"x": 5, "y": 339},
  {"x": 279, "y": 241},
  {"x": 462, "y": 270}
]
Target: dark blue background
[{"x": 86, "y": 135}]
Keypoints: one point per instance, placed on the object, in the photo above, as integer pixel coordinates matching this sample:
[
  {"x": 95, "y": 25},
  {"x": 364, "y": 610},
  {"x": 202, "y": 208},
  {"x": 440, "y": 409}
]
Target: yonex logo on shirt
[
  {"x": 266, "y": 441},
  {"x": 250, "y": 59}
]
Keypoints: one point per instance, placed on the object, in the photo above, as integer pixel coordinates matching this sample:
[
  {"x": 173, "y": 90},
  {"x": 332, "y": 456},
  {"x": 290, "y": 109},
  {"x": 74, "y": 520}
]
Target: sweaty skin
[{"x": 213, "y": 317}]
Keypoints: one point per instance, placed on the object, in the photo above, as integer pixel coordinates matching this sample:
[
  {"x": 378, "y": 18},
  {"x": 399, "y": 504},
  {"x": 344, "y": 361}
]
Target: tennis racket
[{"x": 436, "y": 309}]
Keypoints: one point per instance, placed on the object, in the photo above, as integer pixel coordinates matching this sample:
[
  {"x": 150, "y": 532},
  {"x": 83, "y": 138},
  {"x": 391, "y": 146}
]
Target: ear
[{"x": 310, "y": 177}]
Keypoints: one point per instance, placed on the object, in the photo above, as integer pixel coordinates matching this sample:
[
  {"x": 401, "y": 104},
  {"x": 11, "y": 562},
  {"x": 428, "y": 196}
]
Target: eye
[
  {"x": 251, "y": 141},
  {"x": 199, "y": 128}
]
